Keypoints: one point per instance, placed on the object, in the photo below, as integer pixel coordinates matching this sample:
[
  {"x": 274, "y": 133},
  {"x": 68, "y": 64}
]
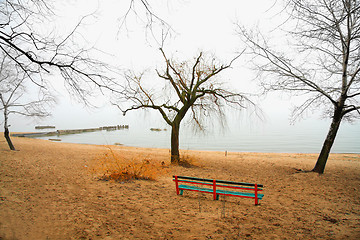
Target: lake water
[{"x": 305, "y": 138}]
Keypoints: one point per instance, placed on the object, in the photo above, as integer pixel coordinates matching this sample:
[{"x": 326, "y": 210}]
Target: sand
[{"x": 47, "y": 192}]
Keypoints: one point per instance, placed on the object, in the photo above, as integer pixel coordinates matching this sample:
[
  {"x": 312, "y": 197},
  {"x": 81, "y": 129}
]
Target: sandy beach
[{"x": 48, "y": 192}]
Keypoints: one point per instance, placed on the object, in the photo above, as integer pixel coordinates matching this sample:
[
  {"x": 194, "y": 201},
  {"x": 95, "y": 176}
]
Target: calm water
[{"x": 300, "y": 139}]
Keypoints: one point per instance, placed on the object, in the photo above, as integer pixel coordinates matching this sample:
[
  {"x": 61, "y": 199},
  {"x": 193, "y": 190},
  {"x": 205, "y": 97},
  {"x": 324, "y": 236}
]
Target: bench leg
[
  {"x": 177, "y": 185},
  {"x": 256, "y": 195},
  {"x": 217, "y": 196},
  {"x": 181, "y": 192}
]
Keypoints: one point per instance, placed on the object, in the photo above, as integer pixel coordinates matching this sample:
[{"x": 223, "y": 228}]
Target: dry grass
[
  {"x": 112, "y": 165},
  {"x": 188, "y": 161}
]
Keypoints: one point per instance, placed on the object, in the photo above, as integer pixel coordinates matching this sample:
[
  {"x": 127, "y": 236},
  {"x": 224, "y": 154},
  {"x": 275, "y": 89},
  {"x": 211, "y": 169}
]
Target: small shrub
[
  {"x": 188, "y": 161},
  {"x": 112, "y": 165}
]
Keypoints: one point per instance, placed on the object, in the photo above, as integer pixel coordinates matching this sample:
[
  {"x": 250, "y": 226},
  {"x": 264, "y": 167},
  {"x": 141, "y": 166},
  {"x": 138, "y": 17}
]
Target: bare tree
[
  {"x": 14, "y": 98},
  {"x": 189, "y": 86},
  {"x": 324, "y": 62}
]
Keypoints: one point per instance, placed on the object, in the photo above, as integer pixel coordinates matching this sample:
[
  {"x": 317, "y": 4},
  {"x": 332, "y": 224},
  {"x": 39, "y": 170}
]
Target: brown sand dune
[{"x": 47, "y": 192}]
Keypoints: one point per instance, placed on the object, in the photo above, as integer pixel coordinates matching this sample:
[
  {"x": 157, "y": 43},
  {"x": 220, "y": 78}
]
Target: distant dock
[{"x": 71, "y": 131}]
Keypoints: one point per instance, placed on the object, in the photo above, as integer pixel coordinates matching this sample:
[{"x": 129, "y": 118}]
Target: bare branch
[{"x": 147, "y": 16}]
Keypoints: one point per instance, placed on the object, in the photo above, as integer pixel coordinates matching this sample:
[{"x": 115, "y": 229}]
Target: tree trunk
[
  {"x": 175, "y": 154},
  {"x": 7, "y": 137},
  {"x": 329, "y": 141}
]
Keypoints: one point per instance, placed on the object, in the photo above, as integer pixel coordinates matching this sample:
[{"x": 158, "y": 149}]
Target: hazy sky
[{"x": 201, "y": 25}]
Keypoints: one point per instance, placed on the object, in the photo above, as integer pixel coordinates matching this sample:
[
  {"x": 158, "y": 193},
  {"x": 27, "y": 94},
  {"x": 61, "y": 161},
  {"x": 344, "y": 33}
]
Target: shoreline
[{"x": 24, "y": 134}]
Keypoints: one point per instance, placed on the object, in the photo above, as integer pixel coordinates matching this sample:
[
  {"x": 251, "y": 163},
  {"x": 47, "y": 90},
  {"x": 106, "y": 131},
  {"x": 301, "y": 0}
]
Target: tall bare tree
[
  {"x": 189, "y": 86},
  {"x": 323, "y": 63},
  {"x": 14, "y": 98}
]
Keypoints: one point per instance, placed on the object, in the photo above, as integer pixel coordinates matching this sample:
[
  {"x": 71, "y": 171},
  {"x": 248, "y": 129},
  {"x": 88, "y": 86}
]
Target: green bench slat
[
  {"x": 210, "y": 190},
  {"x": 186, "y": 187}
]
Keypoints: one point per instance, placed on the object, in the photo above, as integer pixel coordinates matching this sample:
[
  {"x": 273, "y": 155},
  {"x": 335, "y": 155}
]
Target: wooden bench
[{"x": 245, "y": 190}]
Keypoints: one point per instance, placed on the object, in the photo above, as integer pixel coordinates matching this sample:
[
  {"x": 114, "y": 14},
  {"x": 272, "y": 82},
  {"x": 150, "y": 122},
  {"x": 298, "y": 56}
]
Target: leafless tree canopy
[
  {"x": 41, "y": 53},
  {"x": 190, "y": 85},
  {"x": 36, "y": 54}
]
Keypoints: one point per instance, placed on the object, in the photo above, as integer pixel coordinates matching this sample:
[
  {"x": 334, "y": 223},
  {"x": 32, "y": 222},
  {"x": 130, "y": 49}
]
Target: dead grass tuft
[
  {"x": 188, "y": 161},
  {"x": 112, "y": 165}
]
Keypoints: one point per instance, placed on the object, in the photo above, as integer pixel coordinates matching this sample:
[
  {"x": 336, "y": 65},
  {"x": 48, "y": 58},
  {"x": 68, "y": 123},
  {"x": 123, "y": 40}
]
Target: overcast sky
[{"x": 201, "y": 25}]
